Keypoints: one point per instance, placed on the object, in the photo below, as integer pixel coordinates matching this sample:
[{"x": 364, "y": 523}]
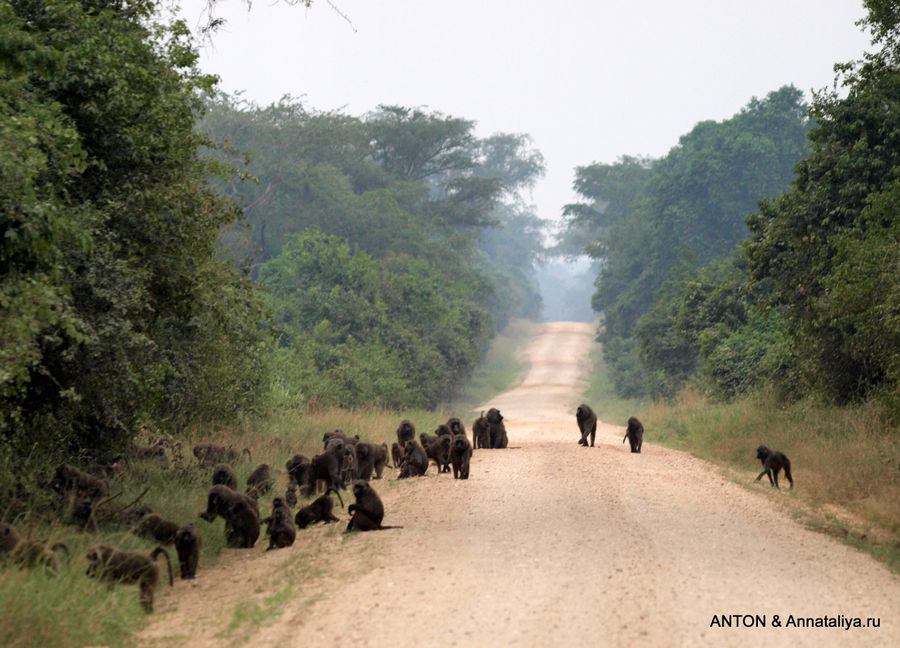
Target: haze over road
[{"x": 550, "y": 544}]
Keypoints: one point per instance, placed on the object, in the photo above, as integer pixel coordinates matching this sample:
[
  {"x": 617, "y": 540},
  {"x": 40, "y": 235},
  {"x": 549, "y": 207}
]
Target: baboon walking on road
[{"x": 587, "y": 424}]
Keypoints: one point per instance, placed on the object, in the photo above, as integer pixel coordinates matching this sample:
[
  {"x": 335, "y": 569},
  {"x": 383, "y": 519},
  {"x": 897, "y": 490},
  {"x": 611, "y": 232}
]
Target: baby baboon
[
  {"x": 406, "y": 432},
  {"x": 68, "y": 479},
  {"x": 261, "y": 479},
  {"x": 187, "y": 544},
  {"x": 134, "y": 515},
  {"x": 414, "y": 462},
  {"x": 481, "y": 432},
  {"x": 110, "y": 564},
  {"x": 587, "y": 424},
  {"x": 438, "y": 449},
  {"x": 154, "y": 526},
  {"x": 279, "y": 526},
  {"x": 290, "y": 495},
  {"x": 241, "y": 514},
  {"x": 497, "y": 428},
  {"x": 635, "y": 434},
  {"x": 460, "y": 456},
  {"x": 30, "y": 552},
  {"x": 396, "y": 454},
  {"x": 368, "y": 511},
  {"x": 772, "y": 462},
  {"x": 349, "y": 467},
  {"x": 209, "y": 454},
  {"x": 224, "y": 474},
  {"x": 320, "y": 510},
  {"x": 155, "y": 451}
]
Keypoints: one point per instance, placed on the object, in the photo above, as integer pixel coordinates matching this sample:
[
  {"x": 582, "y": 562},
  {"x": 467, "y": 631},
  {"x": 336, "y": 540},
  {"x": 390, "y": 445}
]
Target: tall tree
[
  {"x": 134, "y": 317},
  {"x": 812, "y": 243}
]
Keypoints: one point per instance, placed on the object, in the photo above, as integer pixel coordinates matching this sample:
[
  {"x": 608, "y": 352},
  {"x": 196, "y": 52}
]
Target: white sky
[{"x": 589, "y": 80}]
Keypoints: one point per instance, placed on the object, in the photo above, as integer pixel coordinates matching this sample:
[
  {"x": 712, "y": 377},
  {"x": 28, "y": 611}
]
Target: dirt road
[{"x": 548, "y": 544}]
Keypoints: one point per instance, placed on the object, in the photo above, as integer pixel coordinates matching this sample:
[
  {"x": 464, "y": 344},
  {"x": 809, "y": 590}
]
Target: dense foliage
[
  {"x": 393, "y": 245},
  {"x": 116, "y": 310},
  {"x": 829, "y": 250},
  {"x": 810, "y": 302},
  {"x": 643, "y": 219}
]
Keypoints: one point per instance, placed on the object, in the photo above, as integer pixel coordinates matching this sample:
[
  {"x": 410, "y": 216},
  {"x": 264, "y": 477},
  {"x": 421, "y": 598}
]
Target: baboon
[
  {"x": 320, "y": 510},
  {"x": 498, "y": 429},
  {"x": 370, "y": 457},
  {"x": 460, "y": 456},
  {"x": 241, "y": 514},
  {"x": 298, "y": 469},
  {"x": 154, "y": 526},
  {"x": 134, "y": 515},
  {"x": 481, "y": 432},
  {"x": 261, "y": 479},
  {"x": 224, "y": 474},
  {"x": 349, "y": 468},
  {"x": 368, "y": 511},
  {"x": 772, "y": 462},
  {"x": 339, "y": 434},
  {"x": 396, "y": 454},
  {"x": 112, "y": 565},
  {"x": 279, "y": 526},
  {"x": 156, "y": 450},
  {"x": 456, "y": 426},
  {"x": 438, "y": 449},
  {"x": 28, "y": 552},
  {"x": 187, "y": 544},
  {"x": 587, "y": 424},
  {"x": 326, "y": 467},
  {"x": 68, "y": 479},
  {"x": 414, "y": 462},
  {"x": 406, "y": 432},
  {"x": 290, "y": 495},
  {"x": 635, "y": 434},
  {"x": 209, "y": 454}
]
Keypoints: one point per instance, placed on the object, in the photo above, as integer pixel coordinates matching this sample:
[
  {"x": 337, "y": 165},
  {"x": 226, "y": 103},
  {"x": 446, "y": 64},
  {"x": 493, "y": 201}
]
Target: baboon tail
[
  {"x": 162, "y": 550},
  {"x": 624, "y": 437},
  {"x": 382, "y": 528},
  {"x": 336, "y": 492}
]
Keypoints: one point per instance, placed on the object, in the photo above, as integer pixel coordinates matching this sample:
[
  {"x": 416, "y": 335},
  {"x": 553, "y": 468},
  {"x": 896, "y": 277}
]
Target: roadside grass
[
  {"x": 845, "y": 460},
  {"x": 37, "y": 609},
  {"x": 502, "y": 369}
]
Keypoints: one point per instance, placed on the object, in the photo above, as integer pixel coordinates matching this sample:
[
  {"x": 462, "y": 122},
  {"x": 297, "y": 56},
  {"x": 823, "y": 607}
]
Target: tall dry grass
[{"x": 847, "y": 457}]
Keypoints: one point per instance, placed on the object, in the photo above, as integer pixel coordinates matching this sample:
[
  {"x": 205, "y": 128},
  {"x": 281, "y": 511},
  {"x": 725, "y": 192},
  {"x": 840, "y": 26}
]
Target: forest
[
  {"x": 173, "y": 255},
  {"x": 761, "y": 251}
]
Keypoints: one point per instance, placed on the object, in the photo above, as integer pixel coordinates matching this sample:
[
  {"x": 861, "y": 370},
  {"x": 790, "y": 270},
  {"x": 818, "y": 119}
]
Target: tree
[
  {"x": 110, "y": 234},
  {"x": 650, "y": 217},
  {"x": 841, "y": 208}
]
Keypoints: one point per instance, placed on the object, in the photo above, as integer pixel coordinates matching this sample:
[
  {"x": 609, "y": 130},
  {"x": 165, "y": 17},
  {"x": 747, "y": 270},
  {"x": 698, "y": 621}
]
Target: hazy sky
[{"x": 589, "y": 80}]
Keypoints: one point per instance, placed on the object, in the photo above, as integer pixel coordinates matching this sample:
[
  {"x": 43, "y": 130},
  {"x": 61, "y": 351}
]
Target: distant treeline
[
  {"x": 762, "y": 250},
  {"x": 375, "y": 258}
]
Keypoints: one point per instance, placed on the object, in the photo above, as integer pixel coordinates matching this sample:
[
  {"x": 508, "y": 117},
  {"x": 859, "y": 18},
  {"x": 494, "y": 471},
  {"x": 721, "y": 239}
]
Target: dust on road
[{"x": 547, "y": 544}]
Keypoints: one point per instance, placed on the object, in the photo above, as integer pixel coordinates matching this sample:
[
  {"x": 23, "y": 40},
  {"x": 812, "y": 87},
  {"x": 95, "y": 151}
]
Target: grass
[
  {"x": 601, "y": 394},
  {"x": 37, "y": 609},
  {"x": 502, "y": 368},
  {"x": 845, "y": 460}
]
